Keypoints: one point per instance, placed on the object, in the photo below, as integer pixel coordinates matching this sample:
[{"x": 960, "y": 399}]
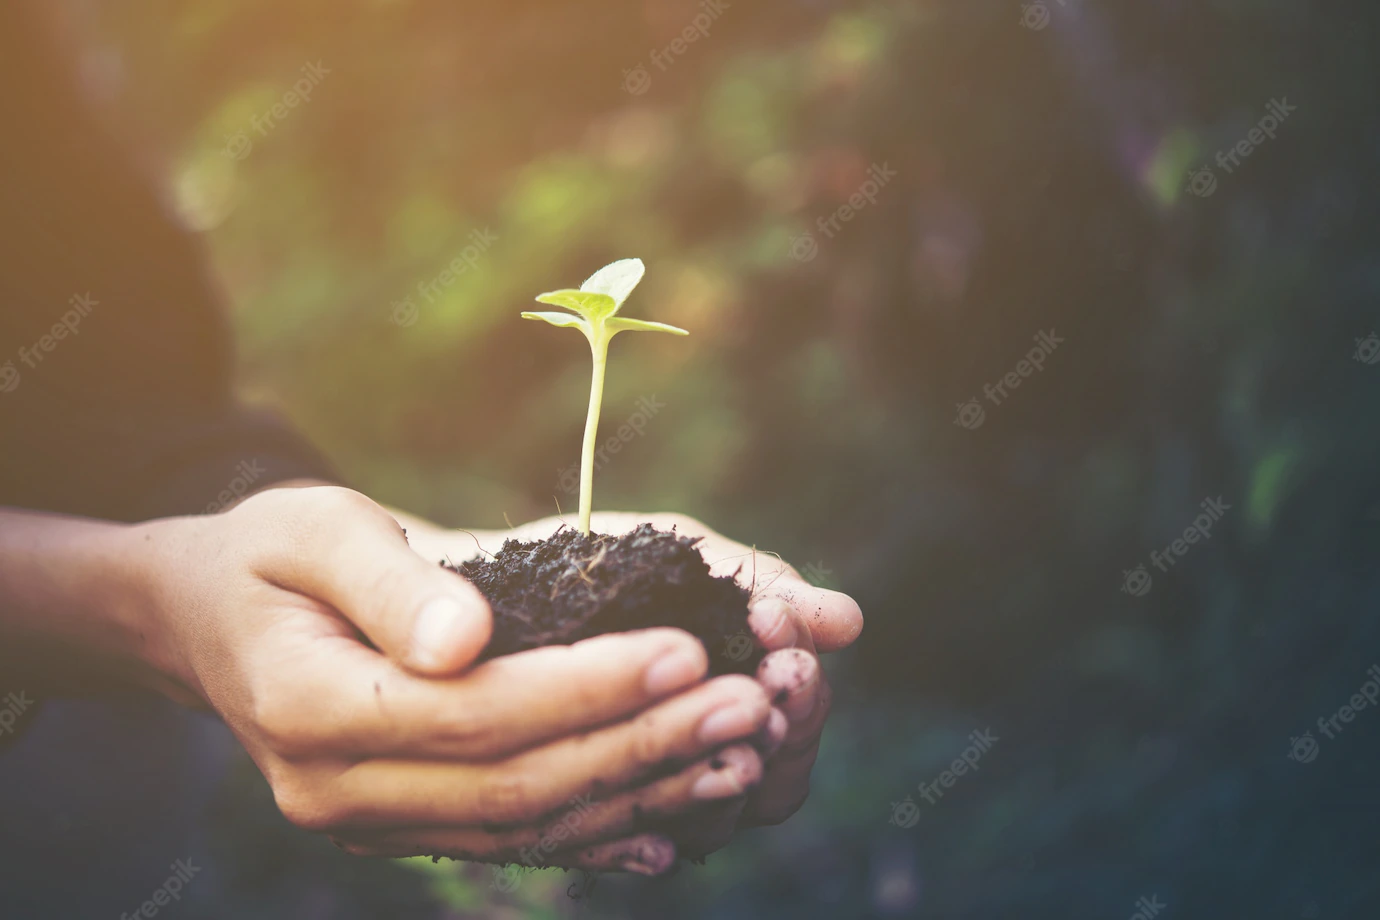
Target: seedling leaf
[
  {"x": 589, "y": 304},
  {"x": 557, "y": 319},
  {"x": 617, "y": 280},
  {"x": 617, "y": 324}
]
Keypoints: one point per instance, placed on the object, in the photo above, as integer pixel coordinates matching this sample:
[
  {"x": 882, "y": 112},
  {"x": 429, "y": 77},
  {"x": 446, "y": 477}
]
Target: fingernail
[
  {"x": 775, "y": 732},
  {"x": 438, "y": 628},
  {"x": 717, "y": 784},
  {"x": 651, "y": 859},
  {"x": 727, "y": 723},
  {"x": 801, "y": 701},
  {"x": 773, "y": 617},
  {"x": 674, "y": 671}
]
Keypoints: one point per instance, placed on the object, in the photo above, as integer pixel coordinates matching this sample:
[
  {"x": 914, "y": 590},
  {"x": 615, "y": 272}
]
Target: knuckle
[
  {"x": 506, "y": 797},
  {"x": 467, "y": 728},
  {"x": 279, "y": 723},
  {"x": 647, "y": 745},
  {"x": 305, "y": 808}
]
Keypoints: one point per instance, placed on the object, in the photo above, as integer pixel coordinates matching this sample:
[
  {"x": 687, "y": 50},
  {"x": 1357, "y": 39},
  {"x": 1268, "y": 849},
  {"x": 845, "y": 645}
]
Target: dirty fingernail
[
  {"x": 730, "y": 722},
  {"x": 439, "y": 627},
  {"x": 674, "y": 670}
]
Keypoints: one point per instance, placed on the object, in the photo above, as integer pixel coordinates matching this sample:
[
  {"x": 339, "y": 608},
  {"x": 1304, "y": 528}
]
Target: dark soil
[{"x": 570, "y": 587}]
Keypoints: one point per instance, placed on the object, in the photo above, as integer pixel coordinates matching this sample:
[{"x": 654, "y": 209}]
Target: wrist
[
  {"x": 149, "y": 561},
  {"x": 74, "y": 600}
]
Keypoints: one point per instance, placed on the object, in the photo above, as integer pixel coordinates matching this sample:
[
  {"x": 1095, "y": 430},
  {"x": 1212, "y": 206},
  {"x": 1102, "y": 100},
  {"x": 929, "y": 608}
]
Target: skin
[{"x": 341, "y": 657}]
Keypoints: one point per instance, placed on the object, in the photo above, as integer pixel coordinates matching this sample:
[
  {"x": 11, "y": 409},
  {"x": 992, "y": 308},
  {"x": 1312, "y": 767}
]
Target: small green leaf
[
  {"x": 617, "y": 280},
  {"x": 623, "y": 324},
  {"x": 557, "y": 319},
  {"x": 589, "y": 304}
]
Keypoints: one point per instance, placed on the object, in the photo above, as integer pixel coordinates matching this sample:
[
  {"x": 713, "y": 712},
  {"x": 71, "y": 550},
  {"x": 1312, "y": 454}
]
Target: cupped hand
[
  {"x": 341, "y": 661},
  {"x": 790, "y": 618}
]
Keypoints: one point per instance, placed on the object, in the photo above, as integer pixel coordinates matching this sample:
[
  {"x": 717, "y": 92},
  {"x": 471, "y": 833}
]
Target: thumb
[{"x": 354, "y": 557}]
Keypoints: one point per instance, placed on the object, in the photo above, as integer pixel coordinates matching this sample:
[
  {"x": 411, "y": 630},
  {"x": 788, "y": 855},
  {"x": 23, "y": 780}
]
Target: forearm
[{"x": 75, "y": 601}]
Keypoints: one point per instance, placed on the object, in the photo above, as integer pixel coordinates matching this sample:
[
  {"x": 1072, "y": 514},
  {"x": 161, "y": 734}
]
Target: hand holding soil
[
  {"x": 790, "y": 619},
  {"x": 303, "y": 618}
]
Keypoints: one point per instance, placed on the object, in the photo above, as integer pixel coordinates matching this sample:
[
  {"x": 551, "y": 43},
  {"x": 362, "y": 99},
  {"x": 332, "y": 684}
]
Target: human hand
[
  {"x": 334, "y": 653},
  {"x": 790, "y": 618}
]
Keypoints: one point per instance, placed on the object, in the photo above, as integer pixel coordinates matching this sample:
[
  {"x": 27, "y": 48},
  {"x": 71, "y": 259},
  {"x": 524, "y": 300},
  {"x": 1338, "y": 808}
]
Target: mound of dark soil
[{"x": 570, "y": 587}]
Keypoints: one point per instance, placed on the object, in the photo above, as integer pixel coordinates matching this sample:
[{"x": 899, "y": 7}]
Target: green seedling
[{"x": 596, "y": 305}]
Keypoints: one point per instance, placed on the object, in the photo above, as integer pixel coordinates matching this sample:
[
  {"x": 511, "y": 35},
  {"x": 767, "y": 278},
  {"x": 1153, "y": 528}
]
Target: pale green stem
[{"x": 599, "y": 347}]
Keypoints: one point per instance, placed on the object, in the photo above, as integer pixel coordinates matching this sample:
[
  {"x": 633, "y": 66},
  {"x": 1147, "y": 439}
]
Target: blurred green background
[{"x": 1041, "y": 154}]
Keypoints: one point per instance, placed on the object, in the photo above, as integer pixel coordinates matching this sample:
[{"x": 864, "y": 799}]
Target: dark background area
[{"x": 1216, "y": 340}]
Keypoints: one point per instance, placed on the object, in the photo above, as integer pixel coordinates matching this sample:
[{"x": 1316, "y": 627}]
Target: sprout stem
[{"x": 599, "y": 347}]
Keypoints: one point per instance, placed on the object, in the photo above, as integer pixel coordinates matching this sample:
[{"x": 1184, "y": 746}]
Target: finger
[
  {"x": 786, "y": 780},
  {"x": 777, "y": 625},
  {"x": 832, "y": 618},
  {"x": 345, "y": 699},
  {"x": 523, "y": 788},
  {"x": 731, "y": 773},
  {"x": 791, "y": 678},
  {"x": 348, "y": 552}
]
